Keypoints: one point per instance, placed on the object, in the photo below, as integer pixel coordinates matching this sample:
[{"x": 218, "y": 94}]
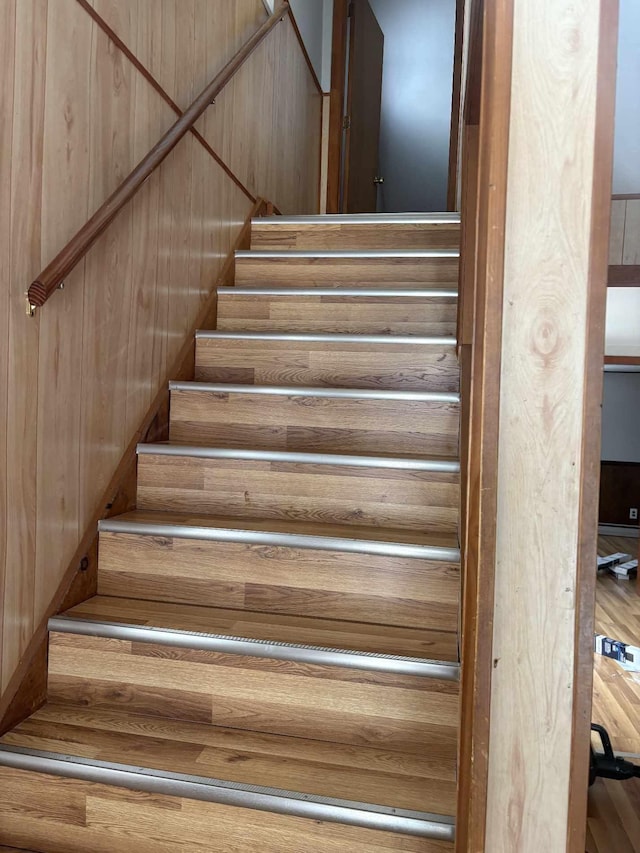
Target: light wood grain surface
[
  {"x": 546, "y": 456},
  {"x": 340, "y": 494},
  {"x": 346, "y": 236},
  {"x": 77, "y": 379},
  {"x": 613, "y": 821},
  {"x": 389, "y": 366},
  {"x": 266, "y": 124},
  {"x": 305, "y": 582},
  {"x": 365, "y": 315},
  {"x": 102, "y": 819},
  {"x": 314, "y": 424},
  {"x": 258, "y": 694},
  {"x": 346, "y": 272},
  {"x": 303, "y": 630},
  {"x": 362, "y": 773}
]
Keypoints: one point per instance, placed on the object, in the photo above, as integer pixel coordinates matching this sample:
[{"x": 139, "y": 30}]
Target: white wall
[
  {"x": 315, "y": 19},
  {"x": 623, "y": 322},
  {"x": 621, "y": 417},
  {"x": 416, "y": 102},
  {"x": 626, "y": 170}
]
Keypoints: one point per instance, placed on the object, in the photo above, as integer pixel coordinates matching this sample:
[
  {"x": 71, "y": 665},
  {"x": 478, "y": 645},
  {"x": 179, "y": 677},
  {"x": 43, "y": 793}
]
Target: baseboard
[
  {"x": 27, "y": 689},
  {"x": 619, "y": 530}
]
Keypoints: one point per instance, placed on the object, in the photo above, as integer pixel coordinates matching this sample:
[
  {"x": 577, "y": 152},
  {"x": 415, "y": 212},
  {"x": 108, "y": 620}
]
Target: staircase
[{"x": 271, "y": 662}]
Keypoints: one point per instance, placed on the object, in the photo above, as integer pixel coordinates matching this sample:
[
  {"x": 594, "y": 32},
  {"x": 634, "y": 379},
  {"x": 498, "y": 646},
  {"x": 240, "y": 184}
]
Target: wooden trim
[
  {"x": 625, "y": 197},
  {"x": 623, "y": 275},
  {"x": 336, "y": 103},
  {"x": 52, "y": 276},
  {"x": 304, "y": 50},
  {"x": 115, "y": 38},
  {"x": 491, "y": 77},
  {"x": 622, "y": 359},
  {"x": 26, "y": 690},
  {"x": 456, "y": 107},
  {"x": 473, "y": 87},
  {"x": 591, "y": 428}
]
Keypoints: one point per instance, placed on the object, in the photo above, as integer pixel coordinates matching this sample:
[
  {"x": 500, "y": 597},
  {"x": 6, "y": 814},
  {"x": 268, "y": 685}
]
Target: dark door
[{"x": 364, "y": 95}]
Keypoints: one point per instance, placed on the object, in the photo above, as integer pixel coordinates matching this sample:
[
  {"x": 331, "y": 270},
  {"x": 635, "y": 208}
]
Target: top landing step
[{"x": 362, "y": 219}]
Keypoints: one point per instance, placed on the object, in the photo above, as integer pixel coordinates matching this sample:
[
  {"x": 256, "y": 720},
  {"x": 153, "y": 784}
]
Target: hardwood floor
[{"x": 614, "y": 807}]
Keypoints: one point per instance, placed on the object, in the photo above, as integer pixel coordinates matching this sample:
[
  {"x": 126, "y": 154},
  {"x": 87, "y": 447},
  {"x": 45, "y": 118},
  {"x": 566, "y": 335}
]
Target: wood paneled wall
[
  {"x": 624, "y": 246},
  {"x": 77, "y": 379}
]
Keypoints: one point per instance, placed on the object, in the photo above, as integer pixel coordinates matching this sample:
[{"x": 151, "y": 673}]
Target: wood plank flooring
[{"x": 613, "y": 824}]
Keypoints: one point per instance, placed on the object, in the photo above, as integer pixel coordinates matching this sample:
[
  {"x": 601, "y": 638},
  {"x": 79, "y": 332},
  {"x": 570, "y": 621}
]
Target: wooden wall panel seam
[{"x": 113, "y": 36}]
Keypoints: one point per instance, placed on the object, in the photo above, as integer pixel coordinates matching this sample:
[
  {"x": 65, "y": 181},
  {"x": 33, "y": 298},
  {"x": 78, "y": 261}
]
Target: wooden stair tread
[
  {"x": 300, "y": 528},
  {"x": 362, "y": 774},
  {"x": 302, "y": 630}
]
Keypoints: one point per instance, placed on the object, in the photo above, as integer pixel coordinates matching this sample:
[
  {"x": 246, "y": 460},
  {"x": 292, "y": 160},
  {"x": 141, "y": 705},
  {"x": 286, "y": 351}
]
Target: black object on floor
[{"x": 607, "y": 765}]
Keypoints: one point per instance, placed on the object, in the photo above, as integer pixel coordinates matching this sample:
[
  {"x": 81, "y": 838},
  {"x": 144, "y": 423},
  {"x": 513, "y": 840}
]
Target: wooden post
[
  {"x": 534, "y": 346},
  {"x": 560, "y": 69}
]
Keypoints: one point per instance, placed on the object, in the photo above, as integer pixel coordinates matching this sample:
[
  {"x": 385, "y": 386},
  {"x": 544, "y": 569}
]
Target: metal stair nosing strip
[
  {"x": 275, "y": 800},
  {"x": 383, "y": 292},
  {"x": 347, "y": 254},
  {"x": 249, "y": 647},
  {"x": 441, "y": 466},
  {"x": 314, "y": 391},
  {"x": 329, "y": 338},
  {"x": 245, "y": 535},
  {"x": 361, "y": 219}
]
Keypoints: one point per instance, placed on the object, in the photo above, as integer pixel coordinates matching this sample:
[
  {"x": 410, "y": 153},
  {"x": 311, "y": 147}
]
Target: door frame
[{"x": 339, "y": 44}]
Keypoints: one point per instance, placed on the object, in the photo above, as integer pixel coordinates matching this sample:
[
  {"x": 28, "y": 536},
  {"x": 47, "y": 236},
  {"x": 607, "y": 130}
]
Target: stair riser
[
  {"x": 344, "y": 315},
  {"x": 399, "y": 367},
  {"x": 377, "y": 497},
  {"x": 105, "y": 819},
  {"x": 295, "y": 581},
  {"x": 258, "y": 694},
  {"x": 343, "y": 272},
  {"x": 319, "y": 236},
  {"x": 332, "y": 425}
]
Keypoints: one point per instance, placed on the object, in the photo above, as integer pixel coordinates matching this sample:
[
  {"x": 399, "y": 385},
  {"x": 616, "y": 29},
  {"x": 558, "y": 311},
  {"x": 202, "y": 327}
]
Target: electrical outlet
[{"x": 633, "y": 513}]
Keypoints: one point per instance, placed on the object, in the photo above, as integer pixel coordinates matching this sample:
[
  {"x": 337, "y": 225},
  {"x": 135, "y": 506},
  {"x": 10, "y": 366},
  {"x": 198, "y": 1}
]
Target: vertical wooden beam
[
  {"x": 487, "y": 115},
  {"x": 336, "y": 102},
  {"x": 555, "y": 251},
  {"x": 455, "y": 138}
]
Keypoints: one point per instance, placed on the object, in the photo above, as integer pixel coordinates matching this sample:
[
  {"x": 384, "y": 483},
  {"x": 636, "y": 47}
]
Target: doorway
[{"x": 390, "y": 105}]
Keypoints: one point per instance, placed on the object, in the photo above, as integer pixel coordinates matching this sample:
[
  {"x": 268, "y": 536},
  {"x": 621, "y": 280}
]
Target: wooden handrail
[{"x": 55, "y": 273}]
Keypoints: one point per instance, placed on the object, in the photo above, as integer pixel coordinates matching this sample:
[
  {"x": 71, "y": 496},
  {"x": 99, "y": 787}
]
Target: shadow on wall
[{"x": 416, "y": 102}]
